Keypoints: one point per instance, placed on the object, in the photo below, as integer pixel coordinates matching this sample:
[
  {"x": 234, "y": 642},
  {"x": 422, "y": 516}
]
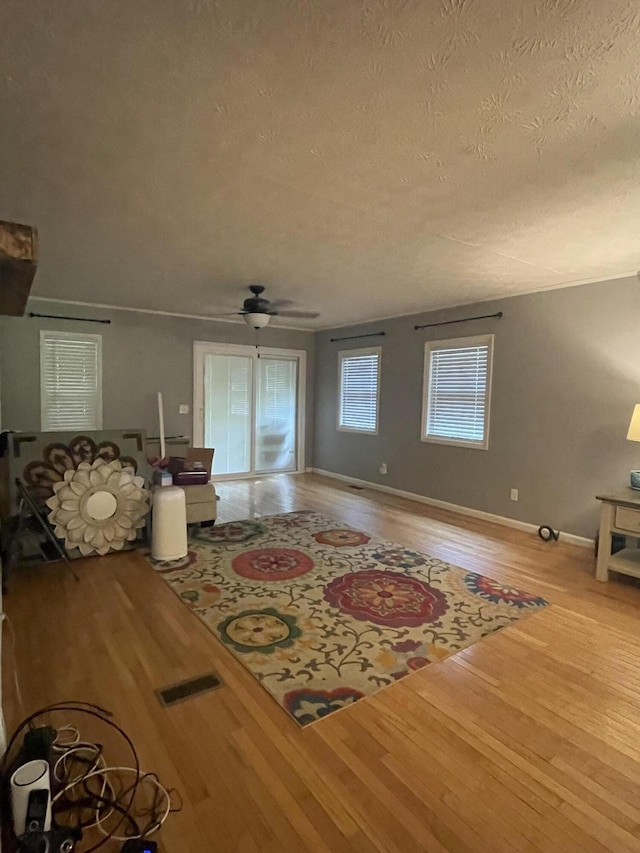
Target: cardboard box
[{"x": 204, "y": 455}]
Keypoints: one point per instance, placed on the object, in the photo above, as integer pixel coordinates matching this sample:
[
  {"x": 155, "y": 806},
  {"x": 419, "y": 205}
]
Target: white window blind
[
  {"x": 457, "y": 391},
  {"x": 70, "y": 381},
  {"x": 359, "y": 387},
  {"x": 239, "y": 386},
  {"x": 278, "y": 389},
  {"x": 227, "y": 410}
]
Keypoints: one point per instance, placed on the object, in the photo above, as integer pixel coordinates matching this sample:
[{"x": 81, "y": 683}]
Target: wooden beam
[{"x": 18, "y": 263}]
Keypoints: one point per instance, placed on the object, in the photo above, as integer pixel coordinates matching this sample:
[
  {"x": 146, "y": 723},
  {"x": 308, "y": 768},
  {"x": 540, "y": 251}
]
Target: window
[
  {"x": 70, "y": 381},
  {"x": 457, "y": 391},
  {"x": 359, "y": 390}
]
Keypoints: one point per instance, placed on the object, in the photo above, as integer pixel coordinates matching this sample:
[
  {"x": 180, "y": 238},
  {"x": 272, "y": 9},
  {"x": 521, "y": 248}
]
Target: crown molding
[
  {"x": 466, "y": 303},
  {"x": 106, "y": 306},
  {"x": 351, "y": 324}
]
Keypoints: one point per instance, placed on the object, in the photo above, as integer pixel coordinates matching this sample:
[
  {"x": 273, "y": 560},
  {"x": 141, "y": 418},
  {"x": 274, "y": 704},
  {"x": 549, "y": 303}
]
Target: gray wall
[
  {"x": 566, "y": 375},
  {"x": 141, "y": 355}
]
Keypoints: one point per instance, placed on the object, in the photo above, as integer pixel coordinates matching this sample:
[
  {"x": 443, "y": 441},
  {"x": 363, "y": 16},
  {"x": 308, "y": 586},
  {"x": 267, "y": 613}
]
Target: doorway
[{"x": 249, "y": 406}]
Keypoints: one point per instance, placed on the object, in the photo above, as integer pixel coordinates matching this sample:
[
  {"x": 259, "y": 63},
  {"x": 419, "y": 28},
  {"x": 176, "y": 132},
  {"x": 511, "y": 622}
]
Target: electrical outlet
[
  {"x": 514, "y": 494},
  {"x": 183, "y": 409},
  {"x": 383, "y": 468}
]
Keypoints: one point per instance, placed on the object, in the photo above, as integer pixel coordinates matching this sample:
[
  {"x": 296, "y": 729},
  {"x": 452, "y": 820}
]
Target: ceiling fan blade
[
  {"x": 310, "y": 315},
  {"x": 277, "y": 304}
]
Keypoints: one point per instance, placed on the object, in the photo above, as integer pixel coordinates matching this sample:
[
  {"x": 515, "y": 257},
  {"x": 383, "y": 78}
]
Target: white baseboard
[{"x": 572, "y": 538}]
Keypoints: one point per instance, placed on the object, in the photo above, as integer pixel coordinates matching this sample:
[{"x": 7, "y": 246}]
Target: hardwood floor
[{"x": 529, "y": 740}]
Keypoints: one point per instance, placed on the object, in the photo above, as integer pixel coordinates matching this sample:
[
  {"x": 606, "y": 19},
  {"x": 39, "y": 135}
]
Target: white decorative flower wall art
[{"x": 98, "y": 507}]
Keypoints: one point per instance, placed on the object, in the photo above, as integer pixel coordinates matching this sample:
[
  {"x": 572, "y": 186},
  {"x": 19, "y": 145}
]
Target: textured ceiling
[{"x": 363, "y": 159}]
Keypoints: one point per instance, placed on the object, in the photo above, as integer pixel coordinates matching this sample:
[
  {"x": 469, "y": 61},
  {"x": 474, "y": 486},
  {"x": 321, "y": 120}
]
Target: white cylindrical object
[
  {"x": 32, "y": 776},
  {"x": 169, "y": 524}
]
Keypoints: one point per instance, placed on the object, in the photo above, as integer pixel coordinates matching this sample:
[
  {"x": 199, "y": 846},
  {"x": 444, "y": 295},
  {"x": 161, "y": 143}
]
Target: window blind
[
  {"x": 239, "y": 367},
  {"x": 226, "y": 410},
  {"x": 70, "y": 381},
  {"x": 457, "y": 391},
  {"x": 359, "y": 380},
  {"x": 278, "y": 389}
]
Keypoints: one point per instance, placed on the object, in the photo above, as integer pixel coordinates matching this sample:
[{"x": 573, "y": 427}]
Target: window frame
[
  {"x": 343, "y": 355},
  {"x": 44, "y": 397},
  {"x": 457, "y": 343}
]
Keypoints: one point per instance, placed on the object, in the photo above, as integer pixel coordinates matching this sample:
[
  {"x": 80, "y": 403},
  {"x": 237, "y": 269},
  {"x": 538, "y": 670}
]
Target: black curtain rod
[
  {"x": 353, "y": 337},
  {"x": 497, "y": 316},
  {"x": 60, "y": 317}
]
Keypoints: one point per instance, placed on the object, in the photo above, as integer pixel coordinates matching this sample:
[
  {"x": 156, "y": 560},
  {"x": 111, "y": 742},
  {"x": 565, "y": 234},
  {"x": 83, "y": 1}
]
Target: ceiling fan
[{"x": 256, "y": 310}]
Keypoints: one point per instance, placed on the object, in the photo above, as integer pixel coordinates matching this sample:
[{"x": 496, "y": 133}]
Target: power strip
[{"x": 139, "y": 845}]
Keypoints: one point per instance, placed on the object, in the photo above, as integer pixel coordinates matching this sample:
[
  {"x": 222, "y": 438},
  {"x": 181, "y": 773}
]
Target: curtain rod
[
  {"x": 497, "y": 316},
  {"x": 353, "y": 337},
  {"x": 61, "y": 317}
]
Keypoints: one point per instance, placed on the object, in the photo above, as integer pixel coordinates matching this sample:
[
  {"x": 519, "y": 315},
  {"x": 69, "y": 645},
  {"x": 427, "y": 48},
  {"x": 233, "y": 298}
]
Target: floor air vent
[
  {"x": 186, "y": 689},
  {"x": 357, "y": 488}
]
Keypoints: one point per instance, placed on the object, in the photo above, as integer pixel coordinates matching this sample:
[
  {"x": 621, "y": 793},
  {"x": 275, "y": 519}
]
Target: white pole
[{"x": 161, "y": 420}]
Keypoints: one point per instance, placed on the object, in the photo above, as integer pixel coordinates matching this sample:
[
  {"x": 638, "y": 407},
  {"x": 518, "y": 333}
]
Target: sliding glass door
[{"x": 249, "y": 407}]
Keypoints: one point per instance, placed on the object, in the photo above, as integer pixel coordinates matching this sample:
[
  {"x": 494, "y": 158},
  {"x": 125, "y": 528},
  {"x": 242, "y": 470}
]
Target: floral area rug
[{"x": 323, "y": 615}]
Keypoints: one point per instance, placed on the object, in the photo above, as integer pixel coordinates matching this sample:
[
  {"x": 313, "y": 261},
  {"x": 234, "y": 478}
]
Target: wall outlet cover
[
  {"x": 183, "y": 409},
  {"x": 383, "y": 468},
  {"x": 514, "y": 494}
]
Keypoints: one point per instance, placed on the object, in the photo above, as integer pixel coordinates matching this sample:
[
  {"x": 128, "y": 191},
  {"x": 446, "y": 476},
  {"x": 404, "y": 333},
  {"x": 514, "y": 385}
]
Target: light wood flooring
[{"x": 529, "y": 740}]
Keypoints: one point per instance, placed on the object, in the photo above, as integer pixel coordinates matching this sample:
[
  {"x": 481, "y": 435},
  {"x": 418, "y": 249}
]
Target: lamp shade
[
  {"x": 634, "y": 426},
  {"x": 257, "y": 321}
]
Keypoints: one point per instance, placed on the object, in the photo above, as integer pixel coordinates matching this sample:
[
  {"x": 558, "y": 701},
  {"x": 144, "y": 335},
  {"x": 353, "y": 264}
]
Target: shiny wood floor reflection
[{"x": 529, "y": 740}]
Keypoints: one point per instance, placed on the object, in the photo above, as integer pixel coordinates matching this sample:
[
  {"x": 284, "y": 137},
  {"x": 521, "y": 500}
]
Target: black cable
[
  {"x": 154, "y": 811},
  {"x": 548, "y": 534},
  {"x": 100, "y": 714},
  {"x": 62, "y": 706},
  {"x": 94, "y": 800}
]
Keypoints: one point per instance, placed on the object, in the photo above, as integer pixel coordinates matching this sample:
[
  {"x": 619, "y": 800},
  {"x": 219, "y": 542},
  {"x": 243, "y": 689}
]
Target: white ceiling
[{"x": 364, "y": 158}]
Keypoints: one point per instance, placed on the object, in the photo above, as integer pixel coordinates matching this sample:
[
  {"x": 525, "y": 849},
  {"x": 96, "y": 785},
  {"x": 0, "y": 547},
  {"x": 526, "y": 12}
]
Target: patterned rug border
[{"x": 231, "y": 546}]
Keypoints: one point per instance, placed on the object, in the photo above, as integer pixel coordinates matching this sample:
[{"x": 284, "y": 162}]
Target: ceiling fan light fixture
[{"x": 256, "y": 321}]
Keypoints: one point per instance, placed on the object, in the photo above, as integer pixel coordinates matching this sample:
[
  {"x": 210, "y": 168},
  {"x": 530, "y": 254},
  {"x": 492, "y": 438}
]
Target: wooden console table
[{"x": 620, "y": 513}]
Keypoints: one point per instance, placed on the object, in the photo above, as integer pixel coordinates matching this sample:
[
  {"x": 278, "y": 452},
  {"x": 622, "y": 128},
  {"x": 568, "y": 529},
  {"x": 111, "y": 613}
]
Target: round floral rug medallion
[
  {"x": 386, "y": 598},
  {"x": 340, "y": 538},
  {"x": 233, "y": 531},
  {"x": 497, "y": 592},
  {"x": 272, "y": 564},
  {"x": 259, "y": 630},
  {"x": 307, "y": 705}
]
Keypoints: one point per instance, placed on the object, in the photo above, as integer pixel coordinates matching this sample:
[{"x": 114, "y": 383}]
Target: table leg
[{"x": 604, "y": 542}]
